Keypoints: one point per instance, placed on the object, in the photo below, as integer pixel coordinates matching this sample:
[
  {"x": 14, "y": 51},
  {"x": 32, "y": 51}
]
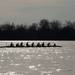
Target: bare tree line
[{"x": 44, "y": 30}]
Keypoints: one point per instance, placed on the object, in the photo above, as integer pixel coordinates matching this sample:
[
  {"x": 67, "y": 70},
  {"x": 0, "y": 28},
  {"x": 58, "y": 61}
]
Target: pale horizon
[{"x": 29, "y": 11}]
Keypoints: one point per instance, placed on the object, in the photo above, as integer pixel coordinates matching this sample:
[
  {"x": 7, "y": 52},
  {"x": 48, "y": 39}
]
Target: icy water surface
[{"x": 38, "y": 61}]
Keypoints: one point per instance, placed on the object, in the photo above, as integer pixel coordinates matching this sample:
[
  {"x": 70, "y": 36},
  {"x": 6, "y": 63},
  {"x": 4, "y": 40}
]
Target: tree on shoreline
[{"x": 44, "y": 30}]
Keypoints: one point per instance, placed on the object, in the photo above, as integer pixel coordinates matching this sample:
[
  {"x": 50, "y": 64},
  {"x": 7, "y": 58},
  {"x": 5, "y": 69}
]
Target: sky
[{"x": 29, "y": 11}]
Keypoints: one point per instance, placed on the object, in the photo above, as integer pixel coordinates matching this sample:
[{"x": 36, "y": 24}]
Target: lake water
[{"x": 38, "y": 61}]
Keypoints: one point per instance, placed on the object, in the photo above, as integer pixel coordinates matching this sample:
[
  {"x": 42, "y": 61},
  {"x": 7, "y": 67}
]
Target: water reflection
[
  {"x": 35, "y": 61},
  {"x": 10, "y": 73}
]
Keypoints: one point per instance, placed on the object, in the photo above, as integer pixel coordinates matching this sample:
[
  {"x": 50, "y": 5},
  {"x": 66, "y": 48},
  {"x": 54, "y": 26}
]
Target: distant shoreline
[
  {"x": 9, "y": 39},
  {"x": 44, "y": 30}
]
